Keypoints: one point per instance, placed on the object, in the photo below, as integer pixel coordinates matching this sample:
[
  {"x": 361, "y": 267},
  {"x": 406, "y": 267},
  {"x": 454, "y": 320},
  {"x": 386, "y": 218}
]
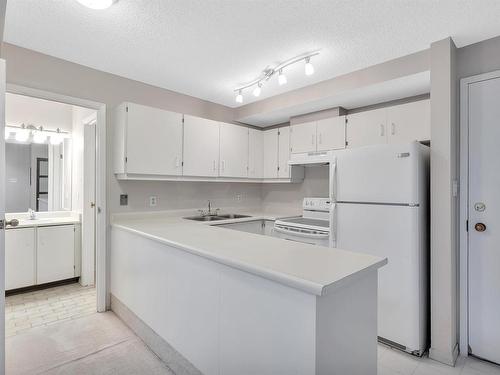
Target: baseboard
[
  {"x": 448, "y": 358},
  {"x": 172, "y": 358}
]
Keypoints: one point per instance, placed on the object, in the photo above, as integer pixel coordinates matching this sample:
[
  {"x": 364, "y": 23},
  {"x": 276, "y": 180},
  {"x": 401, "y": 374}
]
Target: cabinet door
[
  {"x": 284, "y": 152},
  {"x": 331, "y": 133},
  {"x": 303, "y": 137},
  {"x": 201, "y": 147},
  {"x": 367, "y": 128},
  {"x": 55, "y": 253},
  {"x": 233, "y": 150},
  {"x": 19, "y": 258},
  {"x": 271, "y": 153},
  {"x": 255, "y": 153},
  {"x": 154, "y": 141},
  {"x": 409, "y": 122}
]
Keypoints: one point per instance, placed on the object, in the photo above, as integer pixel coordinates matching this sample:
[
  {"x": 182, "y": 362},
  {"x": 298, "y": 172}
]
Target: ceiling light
[
  {"x": 56, "y": 139},
  {"x": 8, "y": 132},
  {"x": 39, "y": 137},
  {"x": 281, "y": 78},
  {"x": 22, "y": 135},
  {"x": 239, "y": 97},
  {"x": 309, "y": 68},
  {"x": 97, "y": 4},
  {"x": 257, "y": 90}
]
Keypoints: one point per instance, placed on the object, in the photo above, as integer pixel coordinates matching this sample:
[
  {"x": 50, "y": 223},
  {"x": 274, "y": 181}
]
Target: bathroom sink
[
  {"x": 205, "y": 218},
  {"x": 233, "y": 216}
]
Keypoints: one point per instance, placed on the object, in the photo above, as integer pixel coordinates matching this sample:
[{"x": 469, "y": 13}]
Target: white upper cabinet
[
  {"x": 409, "y": 122},
  {"x": 367, "y": 128},
  {"x": 149, "y": 141},
  {"x": 303, "y": 137},
  {"x": 233, "y": 150},
  {"x": 271, "y": 153},
  {"x": 255, "y": 153},
  {"x": 283, "y": 152},
  {"x": 201, "y": 147},
  {"x": 331, "y": 133}
]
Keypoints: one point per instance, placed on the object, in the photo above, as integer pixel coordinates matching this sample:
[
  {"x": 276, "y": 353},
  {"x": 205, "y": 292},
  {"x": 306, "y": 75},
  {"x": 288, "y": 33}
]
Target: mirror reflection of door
[{"x": 42, "y": 184}]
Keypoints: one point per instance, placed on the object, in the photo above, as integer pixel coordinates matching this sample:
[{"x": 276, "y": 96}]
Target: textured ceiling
[{"x": 205, "y": 48}]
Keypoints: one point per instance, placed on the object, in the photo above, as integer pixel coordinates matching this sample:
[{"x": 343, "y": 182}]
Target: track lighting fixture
[
  {"x": 269, "y": 72},
  {"x": 34, "y": 134}
]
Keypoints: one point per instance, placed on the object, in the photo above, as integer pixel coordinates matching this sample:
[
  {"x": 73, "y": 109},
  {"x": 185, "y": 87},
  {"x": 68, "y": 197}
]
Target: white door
[
  {"x": 255, "y": 153},
  {"x": 271, "y": 153},
  {"x": 283, "y": 152},
  {"x": 89, "y": 207},
  {"x": 19, "y": 258},
  {"x": 55, "y": 253},
  {"x": 409, "y": 122},
  {"x": 154, "y": 141},
  {"x": 367, "y": 128},
  {"x": 331, "y": 133},
  {"x": 233, "y": 150},
  {"x": 303, "y": 137},
  {"x": 484, "y": 208},
  {"x": 201, "y": 147},
  {"x": 2, "y": 212}
]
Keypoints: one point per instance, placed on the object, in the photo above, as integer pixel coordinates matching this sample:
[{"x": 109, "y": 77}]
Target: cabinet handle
[
  {"x": 382, "y": 130},
  {"x": 393, "y": 128}
]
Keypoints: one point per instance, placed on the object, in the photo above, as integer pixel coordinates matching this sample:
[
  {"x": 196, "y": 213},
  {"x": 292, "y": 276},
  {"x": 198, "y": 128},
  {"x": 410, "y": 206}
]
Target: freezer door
[
  {"x": 382, "y": 174},
  {"x": 393, "y": 232}
]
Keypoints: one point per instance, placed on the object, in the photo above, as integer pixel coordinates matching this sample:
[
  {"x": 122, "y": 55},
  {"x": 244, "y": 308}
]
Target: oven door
[{"x": 309, "y": 236}]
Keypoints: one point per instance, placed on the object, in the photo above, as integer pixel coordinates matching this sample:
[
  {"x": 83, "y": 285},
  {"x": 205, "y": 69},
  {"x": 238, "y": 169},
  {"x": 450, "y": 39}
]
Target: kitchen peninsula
[{"x": 230, "y": 302}]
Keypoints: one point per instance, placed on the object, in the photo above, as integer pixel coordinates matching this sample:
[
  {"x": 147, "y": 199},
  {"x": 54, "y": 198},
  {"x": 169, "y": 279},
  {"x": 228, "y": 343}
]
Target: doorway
[{"x": 480, "y": 217}]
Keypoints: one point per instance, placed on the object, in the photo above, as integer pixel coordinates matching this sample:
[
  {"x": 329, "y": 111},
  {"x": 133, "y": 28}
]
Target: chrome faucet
[
  {"x": 31, "y": 214},
  {"x": 209, "y": 212}
]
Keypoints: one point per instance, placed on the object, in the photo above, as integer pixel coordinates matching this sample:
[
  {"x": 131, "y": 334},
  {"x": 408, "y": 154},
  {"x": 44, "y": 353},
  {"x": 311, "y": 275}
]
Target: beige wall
[
  {"x": 479, "y": 58},
  {"x": 444, "y": 206}
]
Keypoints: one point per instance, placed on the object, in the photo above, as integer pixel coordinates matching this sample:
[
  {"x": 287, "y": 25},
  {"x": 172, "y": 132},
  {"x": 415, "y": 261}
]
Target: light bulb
[
  {"x": 281, "y": 78},
  {"x": 309, "y": 68},
  {"x": 22, "y": 135},
  {"x": 7, "y": 133},
  {"x": 97, "y": 4},
  {"x": 239, "y": 97},
  {"x": 257, "y": 90},
  {"x": 56, "y": 139},
  {"x": 39, "y": 137}
]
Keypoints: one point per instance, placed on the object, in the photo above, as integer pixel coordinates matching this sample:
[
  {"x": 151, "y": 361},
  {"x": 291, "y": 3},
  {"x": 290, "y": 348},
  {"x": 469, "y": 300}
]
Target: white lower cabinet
[
  {"x": 55, "y": 258},
  {"x": 19, "y": 258}
]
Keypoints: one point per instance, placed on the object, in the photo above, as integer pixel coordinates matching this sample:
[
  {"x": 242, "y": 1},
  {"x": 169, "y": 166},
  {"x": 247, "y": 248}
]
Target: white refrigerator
[{"x": 381, "y": 196}]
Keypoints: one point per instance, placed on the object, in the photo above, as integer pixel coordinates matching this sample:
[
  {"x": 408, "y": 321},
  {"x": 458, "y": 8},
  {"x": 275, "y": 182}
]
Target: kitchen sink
[
  {"x": 233, "y": 216},
  {"x": 205, "y": 218}
]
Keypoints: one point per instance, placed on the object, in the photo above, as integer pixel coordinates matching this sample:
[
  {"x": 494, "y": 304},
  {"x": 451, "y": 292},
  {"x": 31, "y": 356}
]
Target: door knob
[
  {"x": 92, "y": 204},
  {"x": 480, "y": 227}
]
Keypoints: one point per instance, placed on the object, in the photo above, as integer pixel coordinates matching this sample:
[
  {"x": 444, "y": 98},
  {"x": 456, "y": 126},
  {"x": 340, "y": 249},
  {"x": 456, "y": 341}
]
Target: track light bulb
[
  {"x": 257, "y": 90},
  {"x": 309, "y": 68},
  {"x": 281, "y": 78},
  {"x": 22, "y": 135},
  {"x": 239, "y": 97},
  {"x": 39, "y": 137}
]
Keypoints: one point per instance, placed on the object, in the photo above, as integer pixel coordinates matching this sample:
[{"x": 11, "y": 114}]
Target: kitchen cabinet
[
  {"x": 255, "y": 153},
  {"x": 271, "y": 153},
  {"x": 148, "y": 141},
  {"x": 233, "y": 150},
  {"x": 55, "y": 258},
  {"x": 331, "y": 133},
  {"x": 409, "y": 122},
  {"x": 303, "y": 137},
  {"x": 201, "y": 147},
  {"x": 283, "y": 152},
  {"x": 19, "y": 258},
  {"x": 367, "y": 128}
]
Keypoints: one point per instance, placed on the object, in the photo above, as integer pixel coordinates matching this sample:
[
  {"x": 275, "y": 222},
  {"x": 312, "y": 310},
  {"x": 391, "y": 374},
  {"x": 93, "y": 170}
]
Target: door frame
[
  {"x": 101, "y": 281},
  {"x": 464, "y": 205}
]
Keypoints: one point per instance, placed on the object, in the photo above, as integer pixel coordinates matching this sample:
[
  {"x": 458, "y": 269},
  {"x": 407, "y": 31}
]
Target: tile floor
[{"x": 47, "y": 306}]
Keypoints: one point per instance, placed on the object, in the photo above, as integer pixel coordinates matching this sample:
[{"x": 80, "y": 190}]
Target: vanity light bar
[
  {"x": 278, "y": 69},
  {"x": 38, "y": 134}
]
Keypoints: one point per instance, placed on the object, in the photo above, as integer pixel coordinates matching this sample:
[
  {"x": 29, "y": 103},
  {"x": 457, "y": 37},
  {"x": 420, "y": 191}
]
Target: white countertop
[
  {"x": 44, "y": 219},
  {"x": 313, "y": 269}
]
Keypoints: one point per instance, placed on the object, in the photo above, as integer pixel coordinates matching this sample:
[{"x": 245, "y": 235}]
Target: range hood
[{"x": 312, "y": 158}]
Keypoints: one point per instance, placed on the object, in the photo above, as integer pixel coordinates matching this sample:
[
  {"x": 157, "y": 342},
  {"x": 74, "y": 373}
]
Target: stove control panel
[{"x": 317, "y": 204}]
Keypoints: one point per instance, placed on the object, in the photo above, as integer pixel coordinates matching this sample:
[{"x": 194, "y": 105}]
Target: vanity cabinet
[
  {"x": 19, "y": 258},
  {"x": 234, "y": 149},
  {"x": 322, "y": 135},
  {"x": 201, "y": 147},
  {"x": 255, "y": 153},
  {"x": 55, "y": 253},
  {"x": 148, "y": 141}
]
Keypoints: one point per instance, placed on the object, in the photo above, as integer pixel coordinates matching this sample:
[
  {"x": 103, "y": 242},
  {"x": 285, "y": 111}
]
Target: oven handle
[{"x": 300, "y": 234}]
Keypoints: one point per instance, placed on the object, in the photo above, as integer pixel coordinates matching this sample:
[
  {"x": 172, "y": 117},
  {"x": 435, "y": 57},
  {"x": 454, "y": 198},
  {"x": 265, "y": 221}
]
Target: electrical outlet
[
  {"x": 123, "y": 199},
  {"x": 238, "y": 197},
  {"x": 153, "y": 201}
]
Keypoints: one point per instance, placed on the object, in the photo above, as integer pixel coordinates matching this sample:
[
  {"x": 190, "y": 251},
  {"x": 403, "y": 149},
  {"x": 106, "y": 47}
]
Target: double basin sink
[{"x": 216, "y": 217}]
